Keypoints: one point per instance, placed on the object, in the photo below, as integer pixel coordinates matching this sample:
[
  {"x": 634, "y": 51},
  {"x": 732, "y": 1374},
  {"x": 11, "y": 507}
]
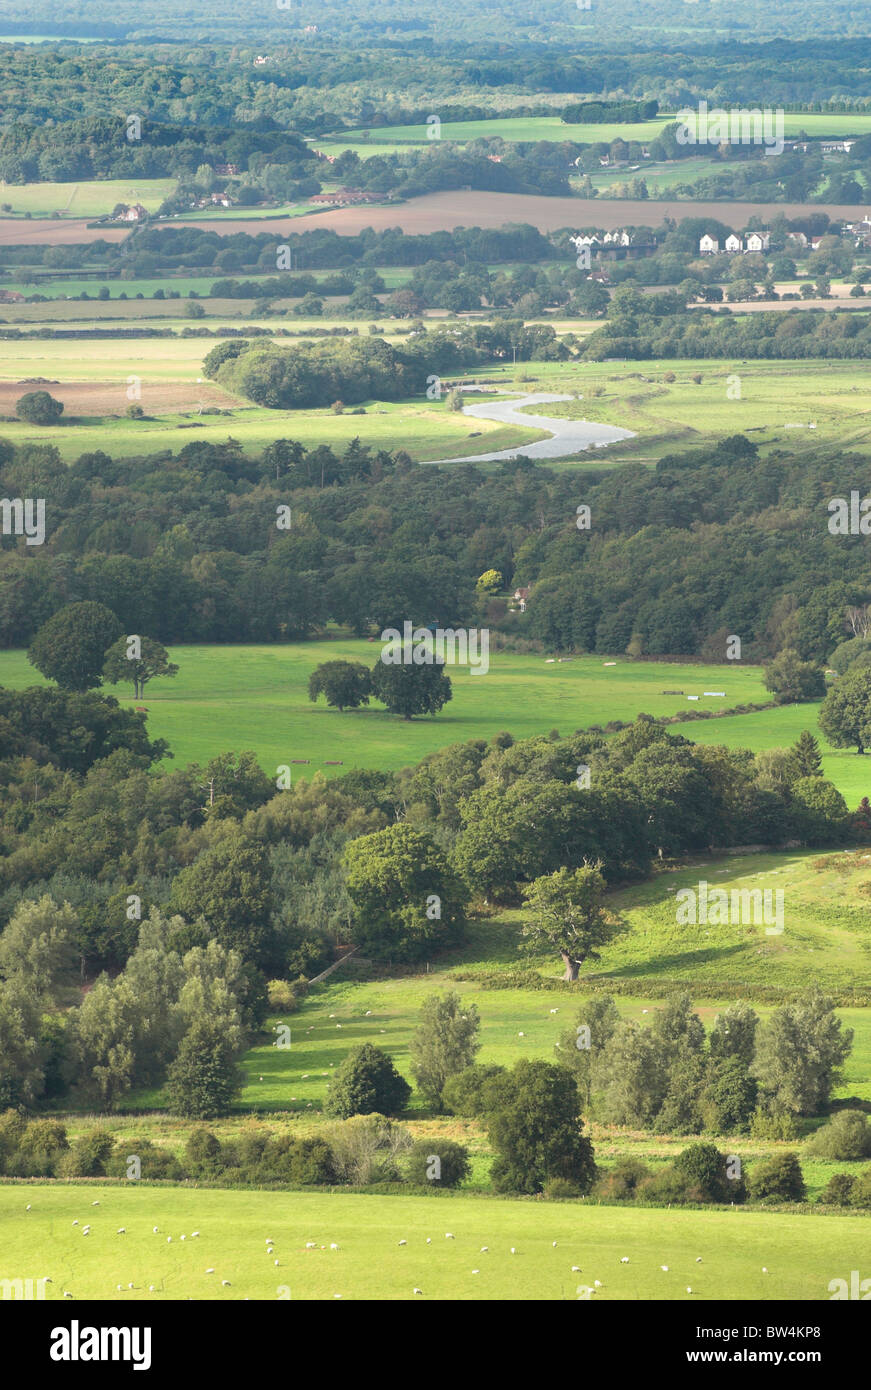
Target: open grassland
[
  {"x": 369, "y": 1263},
  {"x": 425, "y": 429},
  {"x": 257, "y": 697},
  {"x": 534, "y": 128},
  {"x": 238, "y": 697},
  {"x": 90, "y": 198},
  {"x": 825, "y": 931},
  {"x": 58, "y": 285}
]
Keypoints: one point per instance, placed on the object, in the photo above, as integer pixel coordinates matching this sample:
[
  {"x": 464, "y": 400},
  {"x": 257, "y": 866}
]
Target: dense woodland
[{"x": 186, "y": 548}]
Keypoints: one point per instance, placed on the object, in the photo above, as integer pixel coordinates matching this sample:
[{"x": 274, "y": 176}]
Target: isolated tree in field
[
  {"x": 39, "y": 408},
  {"x": 205, "y": 1077},
  {"x": 445, "y": 1043},
  {"x": 791, "y": 680},
  {"x": 566, "y": 915},
  {"x": 845, "y": 716},
  {"x": 409, "y": 690},
  {"x": 123, "y": 664},
  {"x": 536, "y": 1131},
  {"x": 799, "y": 1052},
  {"x": 407, "y": 899},
  {"x": 366, "y": 1083},
  {"x": 346, "y": 684},
  {"x": 70, "y": 648}
]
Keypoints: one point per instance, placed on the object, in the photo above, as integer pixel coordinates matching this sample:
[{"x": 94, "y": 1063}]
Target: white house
[
  {"x": 757, "y": 241},
  {"x": 709, "y": 245},
  {"x": 733, "y": 244}
]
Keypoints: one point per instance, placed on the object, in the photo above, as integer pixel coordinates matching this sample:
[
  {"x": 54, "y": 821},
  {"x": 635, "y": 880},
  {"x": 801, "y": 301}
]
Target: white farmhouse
[
  {"x": 757, "y": 241},
  {"x": 733, "y": 244},
  {"x": 709, "y": 245}
]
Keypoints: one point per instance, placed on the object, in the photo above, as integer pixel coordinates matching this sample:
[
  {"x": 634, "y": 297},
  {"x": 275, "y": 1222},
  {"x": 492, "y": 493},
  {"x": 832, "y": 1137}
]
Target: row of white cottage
[{"x": 754, "y": 241}]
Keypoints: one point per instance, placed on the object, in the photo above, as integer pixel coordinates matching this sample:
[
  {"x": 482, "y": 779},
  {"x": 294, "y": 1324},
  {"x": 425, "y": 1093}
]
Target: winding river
[{"x": 566, "y": 436}]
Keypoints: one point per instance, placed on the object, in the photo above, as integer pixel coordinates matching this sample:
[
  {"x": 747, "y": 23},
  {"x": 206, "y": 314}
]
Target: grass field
[
  {"x": 515, "y": 1023},
  {"x": 239, "y": 697},
  {"x": 257, "y": 697},
  {"x": 793, "y": 405},
  {"x": 91, "y": 198},
  {"x": 369, "y": 1263},
  {"x": 533, "y": 128},
  {"x": 426, "y": 429}
]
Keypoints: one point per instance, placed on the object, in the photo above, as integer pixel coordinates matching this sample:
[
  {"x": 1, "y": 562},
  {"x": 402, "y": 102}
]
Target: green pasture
[
  {"x": 426, "y": 429},
  {"x": 90, "y": 198},
  {"x": 559, "y": 1248},
  {"x": 826, "y": 926},
  {"x": 240, "y": 697},
  {"x": 534, "y": 128},
  {"x": 515, "y": 1023},
  {"x": 58, "y": 286}
]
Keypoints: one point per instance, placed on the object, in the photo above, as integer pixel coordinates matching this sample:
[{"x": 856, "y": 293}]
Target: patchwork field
[
  {"x": 733, "y": 1247},
  {"x": 789, "y": 405}
]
